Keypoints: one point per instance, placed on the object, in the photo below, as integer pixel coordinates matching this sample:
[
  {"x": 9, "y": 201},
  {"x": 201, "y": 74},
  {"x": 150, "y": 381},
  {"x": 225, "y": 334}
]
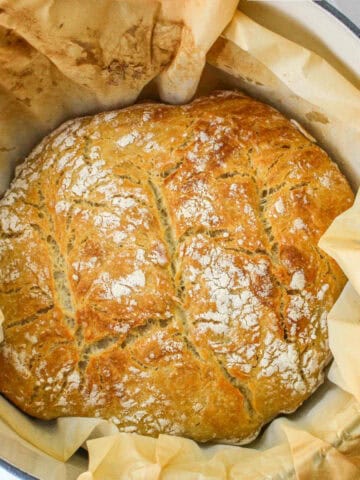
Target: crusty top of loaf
[{"x": 160, "y": 268}]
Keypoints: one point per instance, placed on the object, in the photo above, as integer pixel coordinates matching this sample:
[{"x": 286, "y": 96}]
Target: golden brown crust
[{"x": 159, "y": 267}]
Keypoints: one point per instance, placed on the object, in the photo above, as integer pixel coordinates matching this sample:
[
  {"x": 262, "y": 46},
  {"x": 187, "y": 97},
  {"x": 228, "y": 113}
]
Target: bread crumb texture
[{"x": 159, "y": 268}]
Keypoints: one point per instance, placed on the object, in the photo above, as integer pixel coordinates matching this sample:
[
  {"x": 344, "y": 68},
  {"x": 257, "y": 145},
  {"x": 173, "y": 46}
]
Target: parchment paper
[{"x": 58, "y": 61}]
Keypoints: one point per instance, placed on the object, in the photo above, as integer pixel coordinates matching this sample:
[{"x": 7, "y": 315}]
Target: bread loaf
[{"x": 160, "y": 269}]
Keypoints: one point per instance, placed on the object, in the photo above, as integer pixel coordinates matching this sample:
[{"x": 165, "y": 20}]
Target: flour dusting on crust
[{"x": 160, "y": 269}]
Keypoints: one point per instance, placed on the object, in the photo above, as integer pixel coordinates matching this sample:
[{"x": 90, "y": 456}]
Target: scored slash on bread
[{"x": 159, "y": 268}]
